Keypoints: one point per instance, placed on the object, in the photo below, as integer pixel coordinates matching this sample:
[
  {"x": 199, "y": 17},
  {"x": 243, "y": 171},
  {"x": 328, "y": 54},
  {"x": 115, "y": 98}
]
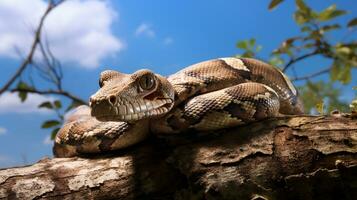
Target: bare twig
[
  {"x": 326, "y": 70},
  {"x": 29, "y": 57},
  {"x": 49, "y": 70},
  {"x": 57, "y": 65},
  {"x": 52, "y": 70},
  {"x": 56, "y": 92},
  {"x": 294, "y": 60}
]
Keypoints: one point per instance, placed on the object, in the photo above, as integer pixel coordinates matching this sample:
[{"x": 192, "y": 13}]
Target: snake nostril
[{"x": 112, "y": 100}]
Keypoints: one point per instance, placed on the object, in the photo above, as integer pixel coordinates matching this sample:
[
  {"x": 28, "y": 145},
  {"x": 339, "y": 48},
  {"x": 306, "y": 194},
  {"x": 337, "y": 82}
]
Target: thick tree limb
[{"x": 305, "y": 157}]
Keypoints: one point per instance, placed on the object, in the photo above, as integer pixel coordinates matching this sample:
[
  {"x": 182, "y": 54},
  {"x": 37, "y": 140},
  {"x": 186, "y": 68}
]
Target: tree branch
[
  {"x": 312, "y": 75},
  {"x": 294, "y": 60},
  {"x": 56, "y": 92},
  {"x": 35, "y": 42},
  {"x": 297, "y": 157}
]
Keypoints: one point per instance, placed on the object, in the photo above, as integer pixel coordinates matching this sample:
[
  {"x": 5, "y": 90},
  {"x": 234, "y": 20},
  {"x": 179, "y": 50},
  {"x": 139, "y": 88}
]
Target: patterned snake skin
[{"x": 206, "y": 96}]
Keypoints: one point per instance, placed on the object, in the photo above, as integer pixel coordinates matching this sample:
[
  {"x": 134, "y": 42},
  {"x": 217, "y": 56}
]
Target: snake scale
[{"x": 206, "y": 96}]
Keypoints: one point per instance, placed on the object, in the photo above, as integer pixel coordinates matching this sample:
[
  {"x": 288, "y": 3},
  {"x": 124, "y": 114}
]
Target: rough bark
[{"x": 305, "y": 157}]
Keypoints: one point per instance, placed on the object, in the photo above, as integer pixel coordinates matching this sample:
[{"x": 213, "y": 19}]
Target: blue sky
[{"x": 163, "y": 36}]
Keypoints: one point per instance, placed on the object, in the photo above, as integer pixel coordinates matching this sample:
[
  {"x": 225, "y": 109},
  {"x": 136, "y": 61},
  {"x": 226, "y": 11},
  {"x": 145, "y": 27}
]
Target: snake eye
[{"x": 147, "y": 82}]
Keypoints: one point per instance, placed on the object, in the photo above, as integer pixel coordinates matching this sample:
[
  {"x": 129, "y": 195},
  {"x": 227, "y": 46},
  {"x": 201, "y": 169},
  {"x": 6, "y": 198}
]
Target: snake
[{"x": 207, "y": 96}]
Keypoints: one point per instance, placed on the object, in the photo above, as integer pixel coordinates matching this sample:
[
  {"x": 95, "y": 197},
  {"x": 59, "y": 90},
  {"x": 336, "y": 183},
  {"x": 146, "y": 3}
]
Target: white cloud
[
  {"x": 77, "y": 31},
  {"x": 47, "y": 140},
  {"x": 145, "y": 29},
  {"x": 3, "y": 130},
  {"x": 10, "y": 103},
  {"x": 168, "y": 41}
]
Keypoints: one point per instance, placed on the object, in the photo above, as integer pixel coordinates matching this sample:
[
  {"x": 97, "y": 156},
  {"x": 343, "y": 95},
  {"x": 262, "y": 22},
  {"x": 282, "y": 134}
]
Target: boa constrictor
[{"x": 206, "y": 96}]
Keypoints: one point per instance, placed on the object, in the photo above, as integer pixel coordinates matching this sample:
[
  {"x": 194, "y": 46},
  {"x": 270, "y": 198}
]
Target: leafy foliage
[
  {"x": 313, "y": 40},
  {"x": 322, "y": 97},
  {"x": 249, "y": 47},
  {"x": 274, "y": 3},
  {"x": 320, "y": 107},
  {"x": 353, "y": 105},
  {"x": 22, "y": 86},
  {"x": 53, "y": 124},
  {"x": 50, "y": 123},
  {"x": 353, "y": 22},
  {"x": 46, "y": 104}
]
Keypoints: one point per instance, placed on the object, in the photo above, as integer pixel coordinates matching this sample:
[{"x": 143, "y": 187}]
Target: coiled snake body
[{"x": 206, "y": 96}]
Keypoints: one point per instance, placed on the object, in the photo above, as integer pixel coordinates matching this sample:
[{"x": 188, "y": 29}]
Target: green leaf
[
  {"x": 345, "y": 75},
  {"x": 354, "y": 88},
  {"x": 330, "y": 13},
  {"x": 57, "y": 104},
  {"x": 353, "y": 22},
  {"x": 50, "y": 123},
  {"x": 343, "y": 50},
  {"x": 22, "y": 85},
  {"x": 303, "y": 13},
  {"x": 337, "y": 13},
  {"x": 46, "y": 104},
  {"x": 313, "y": 14},
  {"x": 274, "y": 3},
  {"x": 54, "y": 133},
  {"x": 320, "y": 107},
  {"x": 22, "y": 96},
  {"x": 353, "y": 105},
  {"x": 243, "y": 44},
  {"x": 330, "y": 27},
  {"x": 335, "y": 70},
  {"x": 302, "y": 6},
  {"x": 252, "y": 42},
  {"x": 300, "y": 18},
  {"x": 341, "y": 72}
]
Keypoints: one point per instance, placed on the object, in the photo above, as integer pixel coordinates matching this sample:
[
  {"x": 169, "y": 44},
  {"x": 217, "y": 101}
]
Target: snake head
[{"x": 131, "y": 97}]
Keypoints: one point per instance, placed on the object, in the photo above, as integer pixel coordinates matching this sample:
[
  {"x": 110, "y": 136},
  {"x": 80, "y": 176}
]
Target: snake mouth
[{"x": 131, "y": 111}]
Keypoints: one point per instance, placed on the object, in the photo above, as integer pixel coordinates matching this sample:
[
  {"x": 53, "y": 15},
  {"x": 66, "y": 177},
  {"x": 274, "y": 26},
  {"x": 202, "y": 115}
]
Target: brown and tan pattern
[{"x": 206, "y": 96}]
